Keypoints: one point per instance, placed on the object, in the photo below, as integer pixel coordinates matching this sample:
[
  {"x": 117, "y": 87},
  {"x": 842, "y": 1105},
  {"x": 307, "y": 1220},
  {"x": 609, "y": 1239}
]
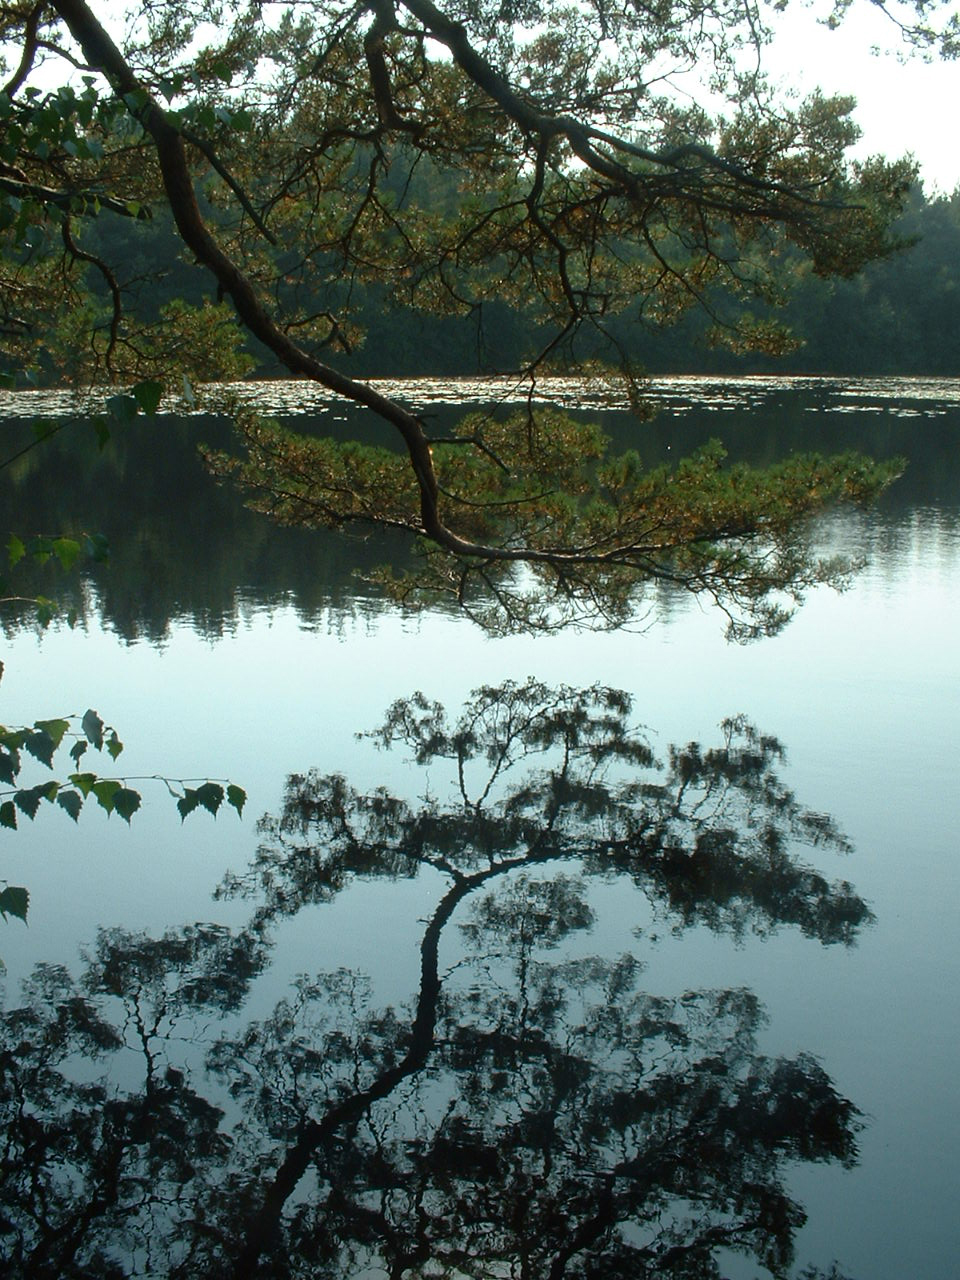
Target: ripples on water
[{"x": 901, "y": 397}]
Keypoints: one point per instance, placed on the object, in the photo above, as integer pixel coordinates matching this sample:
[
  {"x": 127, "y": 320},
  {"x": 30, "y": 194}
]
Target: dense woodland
[{"x": 900, "y": 315}]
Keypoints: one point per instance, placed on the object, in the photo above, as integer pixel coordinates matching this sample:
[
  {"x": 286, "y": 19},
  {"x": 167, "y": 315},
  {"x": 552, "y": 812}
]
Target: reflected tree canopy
[{"x": 534, "y": 1110}]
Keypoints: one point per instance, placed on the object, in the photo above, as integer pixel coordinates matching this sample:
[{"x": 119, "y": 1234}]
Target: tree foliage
[{"x": 452, "y": 158}]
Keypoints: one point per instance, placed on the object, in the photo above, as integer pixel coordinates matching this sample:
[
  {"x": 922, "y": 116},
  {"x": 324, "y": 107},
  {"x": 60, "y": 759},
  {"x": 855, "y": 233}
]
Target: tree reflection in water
[{"x": 533, "y": 1113}]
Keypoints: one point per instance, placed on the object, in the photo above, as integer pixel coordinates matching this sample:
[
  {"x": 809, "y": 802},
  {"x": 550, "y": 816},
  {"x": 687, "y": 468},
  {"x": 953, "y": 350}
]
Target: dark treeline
[{"x": 899, "y": 316}]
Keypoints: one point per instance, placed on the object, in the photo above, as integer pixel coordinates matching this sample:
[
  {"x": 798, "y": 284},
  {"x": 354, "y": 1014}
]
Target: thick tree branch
[
  {"x": 30, "y": 47},
  {"x": 102, "y": 53}
]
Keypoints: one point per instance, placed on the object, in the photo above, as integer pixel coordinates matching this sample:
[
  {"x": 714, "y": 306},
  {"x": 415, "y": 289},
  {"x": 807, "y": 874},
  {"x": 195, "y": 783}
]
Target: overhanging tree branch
[{"x": 587, "y": 220}]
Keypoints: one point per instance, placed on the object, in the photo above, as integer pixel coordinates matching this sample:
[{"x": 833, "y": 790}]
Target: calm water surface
[{"x": 692, "y": 1006}]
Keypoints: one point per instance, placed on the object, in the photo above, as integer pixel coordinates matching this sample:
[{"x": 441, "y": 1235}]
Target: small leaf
[
  {"x": 40, "y": 548},
  {"x": 9, "y": 764},
  {"x": 8, "y": 815},
  {"x": 122, "y": 408},
  {"x": 15, "y": 549},
  {"x": 72, "y": 802},
  {"x": 210, "y": 795},
  {"x": 92, "y": 726},
  {"x": 85, "y": 782},
  {"x": 14, "y": 902},
  {"x": 77, "y": 750},
  {"x": 237, "y": 797},
  {"x": 41, "y": 746},
  {"x": 147, "y": 396},
  {"x": 66, "y": 550},
  {"x": 106, "y": 793},
  {"x": 126, "y": 802},
  {"x": 55, "y": 729},
  {"x": 187, "y": 802},
  {"x": 28, "y": 800},
  {"x": 114, "y": 745}
]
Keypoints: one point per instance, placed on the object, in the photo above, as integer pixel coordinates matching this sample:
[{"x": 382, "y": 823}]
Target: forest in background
[{"x": 899, "y": 316}]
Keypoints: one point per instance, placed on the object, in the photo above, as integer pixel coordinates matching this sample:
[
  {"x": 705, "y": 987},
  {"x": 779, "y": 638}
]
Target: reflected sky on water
[{"x": 218, "y": 645}]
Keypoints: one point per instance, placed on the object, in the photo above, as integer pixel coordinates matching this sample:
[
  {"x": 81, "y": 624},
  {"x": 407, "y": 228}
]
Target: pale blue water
[{"x": 863, "y": 689}]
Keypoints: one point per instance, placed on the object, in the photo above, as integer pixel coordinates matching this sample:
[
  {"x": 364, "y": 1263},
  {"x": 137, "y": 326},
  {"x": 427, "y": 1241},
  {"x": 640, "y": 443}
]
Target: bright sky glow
[{"x": 903, "y": 105}]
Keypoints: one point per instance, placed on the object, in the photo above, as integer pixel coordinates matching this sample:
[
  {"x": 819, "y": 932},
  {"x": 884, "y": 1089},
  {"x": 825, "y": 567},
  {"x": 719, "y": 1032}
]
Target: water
[{"x": 219, "y": 645}]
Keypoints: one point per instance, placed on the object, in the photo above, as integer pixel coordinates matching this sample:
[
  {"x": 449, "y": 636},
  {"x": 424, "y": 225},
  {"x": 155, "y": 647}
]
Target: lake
[{"x": 545, "y": 980}]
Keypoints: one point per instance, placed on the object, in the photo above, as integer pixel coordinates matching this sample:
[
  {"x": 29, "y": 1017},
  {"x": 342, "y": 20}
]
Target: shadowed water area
[{"x": 585, "y": 955}]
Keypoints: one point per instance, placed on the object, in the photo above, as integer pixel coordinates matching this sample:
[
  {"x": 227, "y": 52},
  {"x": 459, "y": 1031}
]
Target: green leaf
[
  {"x": 210, "y": 795},
  {"x": 122, "y": 408},
  {"x": 41, "y": 746},
  {"x": 55, "y": 729},
  {"x": 147, "y": 396},
  {"x": 9, "y": 764},
  {"x": 114, "y": 745},
  {"x": 14, "y": 902},
  {"x": 66, "y": 550},
  {"x": 136, "y": 100},
  {"x": 126, "y": 802},
  {"x": 71, "y": 801},
  {"x": 15, "y": 549},
  {"x": 237, "y": 797},
  {"x": 40, "y": 549},
  {"x": 85, "y": 782},
  {"x": 8, "y": 815},
  {"x": 106, "y": 793},
  {"x": 187, "y": 802},
  {"x": 92, "y": 726},
  {"x": 28, "y": 800}
]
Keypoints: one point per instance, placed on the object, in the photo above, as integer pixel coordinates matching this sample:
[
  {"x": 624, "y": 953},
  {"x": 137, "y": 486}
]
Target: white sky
[{"x": 903, "y": 106}]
